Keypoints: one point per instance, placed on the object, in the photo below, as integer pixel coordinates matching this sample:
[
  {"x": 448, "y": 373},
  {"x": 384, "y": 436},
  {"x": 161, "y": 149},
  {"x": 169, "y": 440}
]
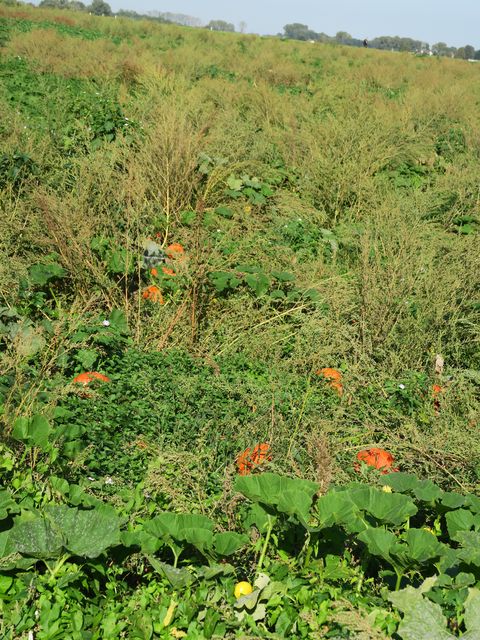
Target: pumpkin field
[{"x": 239, "y": 336}]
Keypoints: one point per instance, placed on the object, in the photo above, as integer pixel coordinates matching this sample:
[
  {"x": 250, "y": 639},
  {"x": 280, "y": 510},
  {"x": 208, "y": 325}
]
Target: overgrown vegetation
[{"x": 231, "y": 270}]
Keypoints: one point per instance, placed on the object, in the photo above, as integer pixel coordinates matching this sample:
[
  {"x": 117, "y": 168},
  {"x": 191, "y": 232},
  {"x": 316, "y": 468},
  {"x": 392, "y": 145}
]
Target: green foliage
[{"x": 328, "y": 215}]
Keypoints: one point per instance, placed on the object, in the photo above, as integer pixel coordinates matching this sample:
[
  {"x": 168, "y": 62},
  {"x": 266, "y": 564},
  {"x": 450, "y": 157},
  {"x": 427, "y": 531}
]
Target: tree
[
  {"x": 100, "y": 8},
  {"x": 220, "y": 25},
  {"x": 469, "y": 52},
  {"x": 343, "y": 36},
  {"x": 297, "y": 31}
]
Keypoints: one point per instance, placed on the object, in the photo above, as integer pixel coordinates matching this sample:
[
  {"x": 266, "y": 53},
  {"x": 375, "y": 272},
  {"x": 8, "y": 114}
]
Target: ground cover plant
[{"x": 239, "y": 336}]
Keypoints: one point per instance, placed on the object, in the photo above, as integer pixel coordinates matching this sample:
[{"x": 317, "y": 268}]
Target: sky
[{"x": 454, "y": 22}]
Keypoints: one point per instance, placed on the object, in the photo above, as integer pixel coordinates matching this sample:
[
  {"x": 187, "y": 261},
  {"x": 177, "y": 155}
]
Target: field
[{"x": 267, "y": 253}]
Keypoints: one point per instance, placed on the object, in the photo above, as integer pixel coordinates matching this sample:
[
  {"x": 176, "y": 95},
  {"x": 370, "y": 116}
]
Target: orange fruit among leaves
[
  {"x": 436, "y": 391},
  {"x": 333, "y": 377},
  {"x": 153, "y": 293},
  {"x": 89, "y": 376},
  {"x": 175, "y": 250},
  {"x": 376, "y": 458},
  {"x": 251, "y": 458},
  {"x": 168, "y": 272}
]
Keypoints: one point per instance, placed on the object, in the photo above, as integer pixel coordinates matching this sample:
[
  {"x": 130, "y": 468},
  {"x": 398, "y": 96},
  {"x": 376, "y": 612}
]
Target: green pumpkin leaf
[
  {"x": 423, "y": 619},
  {"x": 178, "y": 578},
  {"x": 337, "y": 508},
  {"x": 40, "y": 274},
  {"x": 461, "y": 520},
  {"x": 191, "y": 528},
  {"x": 292, "y": 496},
  {"x": 229, "y": 542},
  {"x": 422, "y": 545},
  {"x": 380, "y": 542},
  {"x": 472, "y": 615},
  {"x": 391, "y": 508},
  {"x": 7, "y": 504}
]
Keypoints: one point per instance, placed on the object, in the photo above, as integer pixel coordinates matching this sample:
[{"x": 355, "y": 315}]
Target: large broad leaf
[
  {"x": 461, "y": 520},
  {"x": 34, "y": 431},
  {"x": 178, "y": 578},
  {"x": 424, "y": 490},
  {"x": 452, "y": 500},
  {"x": 473, "y": 502},
  {"x": 34, "y": 535},
  {"x": 148, "y": 544},
  {"x": 63, "y": 529},
  {"x": 183, "y": 527},
  {"x": 259, "y": 517},
  {"x": 7, "y": 504},
  {"x": 472, "y": 615},
  {"x": 337, "y": 508},
  {"x": 391, "y": 508},
  {"x": 470, "y": 543},
  {"x": 87, "y": 533},
  {"x": 423, "y": 546},
  {"x": 380, "y": 543},
  {"x": 6, "y": 545},
  {"x": 292, "y": 496},
  {"x": 423, "y": 619},
  {"x": 229, "y": 542},
  {"x": 40, "y": 274}
]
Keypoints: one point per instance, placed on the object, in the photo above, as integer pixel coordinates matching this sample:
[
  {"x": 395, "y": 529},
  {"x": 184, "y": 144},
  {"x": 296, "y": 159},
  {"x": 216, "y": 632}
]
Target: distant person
[{"x": 365, "y": 43}]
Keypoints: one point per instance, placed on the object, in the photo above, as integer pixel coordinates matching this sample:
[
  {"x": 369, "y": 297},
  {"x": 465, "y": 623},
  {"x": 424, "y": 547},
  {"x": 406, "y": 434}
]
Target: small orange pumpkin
[
  {"x": 376, "y": 458},
  {"x": 333, "y": 377},
  {"x": 168, "y": 272},
  {"x": 436, "y": 391},
  {"x": 153, "y": 293},
  {"x": 251, "y": 458},
  {"x": 330, "y": 374},
  {"x": 154, "y": 272},
  {"x": 175, "y": 250},
  {"x": 89, "y": 376}
]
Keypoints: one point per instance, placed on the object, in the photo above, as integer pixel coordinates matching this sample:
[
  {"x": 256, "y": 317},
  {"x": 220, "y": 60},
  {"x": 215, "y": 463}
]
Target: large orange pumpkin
[
  {"x": 153, "y": 293},
  {"x": 376, "y": 458},
  {"x": 89, "y": 376},
  {"x": 251, "y": 458},
  {"x": 175, "y": 250},
  {"x": 333, "y": 378}
]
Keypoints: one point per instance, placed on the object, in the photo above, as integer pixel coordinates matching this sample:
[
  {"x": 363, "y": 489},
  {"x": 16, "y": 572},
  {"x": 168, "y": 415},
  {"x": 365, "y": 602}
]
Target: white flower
[
  {"x": 91, "y": 479},
  {"x": 108, "y": 480},
  {"x": 106, "y": 323},
  {"x": 401, "y": 386}
]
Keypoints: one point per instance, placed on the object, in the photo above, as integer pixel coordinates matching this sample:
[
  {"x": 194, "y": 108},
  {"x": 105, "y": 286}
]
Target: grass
[{"x": 367, "y": 198}]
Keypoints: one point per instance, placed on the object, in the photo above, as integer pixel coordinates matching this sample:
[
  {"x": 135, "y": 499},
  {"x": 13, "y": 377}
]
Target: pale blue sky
[{"x": 456, "y": 22}]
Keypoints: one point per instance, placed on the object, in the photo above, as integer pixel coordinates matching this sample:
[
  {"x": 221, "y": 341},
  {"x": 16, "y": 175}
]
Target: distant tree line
[
  {"x": 294, "y": 31},
  {"x": 102, "y": 8},
  {"x": 297, "y": 31}
]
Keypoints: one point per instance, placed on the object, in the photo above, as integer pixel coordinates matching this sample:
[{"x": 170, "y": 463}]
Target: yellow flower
[
  {"x": 386, "y": 488},
  {"x": 248, "y": 209},
  {"x": 430, "y": 530}
]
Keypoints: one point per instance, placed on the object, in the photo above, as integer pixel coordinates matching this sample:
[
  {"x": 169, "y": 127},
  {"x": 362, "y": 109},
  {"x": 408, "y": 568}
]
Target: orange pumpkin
[
  {"x": 89, "y": 376},
  {"x": 436, "y": 391},
  {"x": 154, "y": 272},
  {"x": 174, "y": 251},
  {"x": 333, "y": 378},
  {"x": 153, "y": 293},
  {"x": 168, "y": 272},
  {"x": 251, "y": 458},
  {"x": 376, "y": 458},
  {"x": 330, "y": 374}
]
